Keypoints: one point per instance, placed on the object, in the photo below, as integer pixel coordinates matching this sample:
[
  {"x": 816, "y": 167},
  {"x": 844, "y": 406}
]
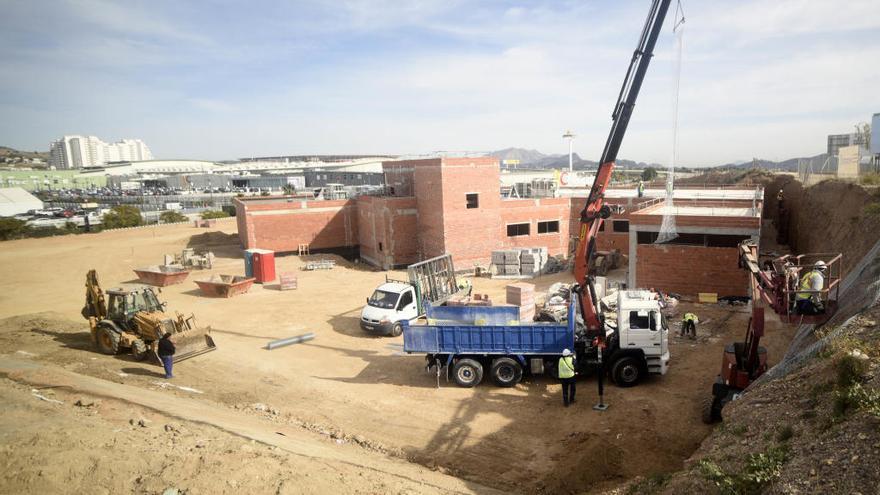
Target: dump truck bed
[{"x": 461, "y": 332}]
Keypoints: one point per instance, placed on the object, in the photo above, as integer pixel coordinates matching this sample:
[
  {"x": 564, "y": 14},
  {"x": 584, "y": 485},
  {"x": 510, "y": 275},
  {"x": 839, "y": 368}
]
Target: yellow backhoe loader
[{"x": 133, "y": 318}]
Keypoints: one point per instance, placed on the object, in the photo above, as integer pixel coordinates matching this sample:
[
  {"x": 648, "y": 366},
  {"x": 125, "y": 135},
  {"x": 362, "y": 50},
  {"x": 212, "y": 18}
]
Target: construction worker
[
  {"x": 566, "y": 376},
  {"x": 641, "y": 189},
  {"x": 810, "y": 303},
  {"x": 689, "y": 325},
  {"x": 166, "y": 354}
]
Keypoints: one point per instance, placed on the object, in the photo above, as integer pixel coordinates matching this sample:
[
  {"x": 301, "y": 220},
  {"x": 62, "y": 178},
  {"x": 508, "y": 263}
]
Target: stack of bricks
[
  {"x": 474, "y": 300},
  {"x": 522, "y": 295}
]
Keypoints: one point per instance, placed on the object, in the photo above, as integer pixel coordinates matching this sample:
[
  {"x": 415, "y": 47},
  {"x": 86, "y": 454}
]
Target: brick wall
[
  {"x": 387, "y": 230},
  {"x": 429, "y": 203},
  {"x": 532, "y": 211},
  {"x": 470, "y": 234},
  {"x": 688, "y": 270},
  {"x": 282, "y": 224},
  {"x": 399, "y": 177}
]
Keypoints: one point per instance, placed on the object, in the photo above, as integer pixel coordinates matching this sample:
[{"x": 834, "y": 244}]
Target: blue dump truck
[{"x": 465, "y": 341}]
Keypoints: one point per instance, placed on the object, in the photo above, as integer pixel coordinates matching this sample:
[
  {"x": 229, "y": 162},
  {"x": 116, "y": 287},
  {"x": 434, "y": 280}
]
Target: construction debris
[{"x": 188, "y": 258}]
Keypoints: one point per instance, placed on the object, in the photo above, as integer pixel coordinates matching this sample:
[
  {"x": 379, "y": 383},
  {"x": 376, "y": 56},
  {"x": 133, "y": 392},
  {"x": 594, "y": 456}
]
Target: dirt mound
[
  {"x": 212, "y": 239},
  {"x": 828, "y": 217}
]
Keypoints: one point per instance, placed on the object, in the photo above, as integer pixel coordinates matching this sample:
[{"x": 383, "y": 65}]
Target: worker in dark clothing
[
  {"x": 166, "y": 354},
  {"x": 566, "y": 376},
  {"x": 689, "y": 325}
]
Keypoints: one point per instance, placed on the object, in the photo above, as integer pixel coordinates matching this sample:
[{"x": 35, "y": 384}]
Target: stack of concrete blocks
[
  {"x": 520, "y": 261},
  {"x": 522, "y": 295},
  {"x": 533, "y": 260},
  {"x": 506, "y": 262}
]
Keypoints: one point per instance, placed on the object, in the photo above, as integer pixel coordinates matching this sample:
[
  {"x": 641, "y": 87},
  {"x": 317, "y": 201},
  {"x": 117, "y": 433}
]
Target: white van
[{"x": 390, "y": 304}]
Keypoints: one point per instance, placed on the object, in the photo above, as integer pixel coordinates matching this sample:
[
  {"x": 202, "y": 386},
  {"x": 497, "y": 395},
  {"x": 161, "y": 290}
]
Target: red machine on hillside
[
  {"x": 775, "y": 285},
  {"x": 596, "y": 211}
]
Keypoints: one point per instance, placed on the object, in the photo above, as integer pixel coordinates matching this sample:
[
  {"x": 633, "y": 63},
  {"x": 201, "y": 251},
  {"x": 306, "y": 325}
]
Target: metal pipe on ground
[{"x": 299, "y": 339}]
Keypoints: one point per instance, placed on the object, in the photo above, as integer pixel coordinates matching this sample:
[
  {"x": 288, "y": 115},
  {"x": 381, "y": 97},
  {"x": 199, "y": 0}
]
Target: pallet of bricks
[
  {"x": 473, "y": 300},
  {"x": 522, "y": 295},
  {"x": 520, "y": 261}
]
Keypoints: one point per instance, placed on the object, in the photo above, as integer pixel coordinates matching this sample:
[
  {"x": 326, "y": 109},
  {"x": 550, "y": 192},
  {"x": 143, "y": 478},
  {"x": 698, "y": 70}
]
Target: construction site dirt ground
[{"x": 343, "y": 390}]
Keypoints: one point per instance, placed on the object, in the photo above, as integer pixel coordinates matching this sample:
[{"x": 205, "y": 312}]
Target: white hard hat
[
  {"x": 566, "y": 352},
  {"x": 820, "y": 265}
]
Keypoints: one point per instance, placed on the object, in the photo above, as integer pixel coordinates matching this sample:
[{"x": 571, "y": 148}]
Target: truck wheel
[
  {"x": 467, "y": 373},
  {"x": 626, "y": 371},
  {"x": 506, "y": 372},
  {"x": 108, "y": 341},
  {"x": 139, "y": 350},
  {"x": 710, "y": 413},
  {"x": 396, "y": 330}
]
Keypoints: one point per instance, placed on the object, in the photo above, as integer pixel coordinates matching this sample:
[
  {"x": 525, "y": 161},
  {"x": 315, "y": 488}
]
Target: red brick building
[
  {"x": 704, "y": 257},
  {"x": 454, "y": 205}
]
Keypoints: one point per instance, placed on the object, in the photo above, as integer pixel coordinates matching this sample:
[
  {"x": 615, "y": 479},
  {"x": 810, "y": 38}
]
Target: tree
[
  {"x": 122, "y": 216},
  {"x": 209, "y": 214},
  {"x": 649, "y": 174},
  {"x": 863, "y": 130},
  {"x": 172, "y": 217},
  {"x": 13, "y": 228}
]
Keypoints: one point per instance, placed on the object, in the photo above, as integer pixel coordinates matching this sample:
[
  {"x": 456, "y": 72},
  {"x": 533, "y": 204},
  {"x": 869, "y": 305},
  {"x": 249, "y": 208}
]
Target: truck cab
[
  {"x": 391, "y": 304},
  {"x": 642, "y": 336}
]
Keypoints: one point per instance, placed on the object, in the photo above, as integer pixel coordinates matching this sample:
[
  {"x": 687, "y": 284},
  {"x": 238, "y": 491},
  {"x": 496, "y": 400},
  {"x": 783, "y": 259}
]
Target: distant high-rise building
[{"x": 89, "y": 151}]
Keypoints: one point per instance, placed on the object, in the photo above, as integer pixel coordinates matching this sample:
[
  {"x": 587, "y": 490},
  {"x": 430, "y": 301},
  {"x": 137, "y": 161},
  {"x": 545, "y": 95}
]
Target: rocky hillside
[{"x": 811, "y": 424}]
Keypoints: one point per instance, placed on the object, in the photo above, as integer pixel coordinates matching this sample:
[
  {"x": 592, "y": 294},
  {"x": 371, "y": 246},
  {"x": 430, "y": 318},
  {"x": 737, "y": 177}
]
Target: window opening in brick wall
[
  {"x": 620, "y": 225},
  {"x": 718, "y": 240},
  {"x": 473, "y": 200},
  {"x": 548, "y": 226},
  {"x": 516, "y": 229},
  {"x": 705, "y": 240},
  {"x": 380, "y": 246}
]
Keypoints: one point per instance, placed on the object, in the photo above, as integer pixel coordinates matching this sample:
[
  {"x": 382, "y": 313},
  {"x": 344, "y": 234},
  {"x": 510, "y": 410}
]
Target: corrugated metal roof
[{"x": 17, "y": 195}]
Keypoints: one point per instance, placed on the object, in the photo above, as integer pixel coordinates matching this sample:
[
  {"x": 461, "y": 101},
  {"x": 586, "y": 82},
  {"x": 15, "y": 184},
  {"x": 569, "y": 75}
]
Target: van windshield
[{"x": 383, "y": 299}]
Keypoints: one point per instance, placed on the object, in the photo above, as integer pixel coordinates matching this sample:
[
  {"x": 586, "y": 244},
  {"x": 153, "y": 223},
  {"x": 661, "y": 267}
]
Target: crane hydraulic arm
[{"x": 596, "y": 211}]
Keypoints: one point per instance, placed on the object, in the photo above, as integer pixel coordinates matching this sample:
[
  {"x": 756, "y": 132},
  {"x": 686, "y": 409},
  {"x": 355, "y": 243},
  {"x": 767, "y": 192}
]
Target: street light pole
[{"x": 570, "y": 136}]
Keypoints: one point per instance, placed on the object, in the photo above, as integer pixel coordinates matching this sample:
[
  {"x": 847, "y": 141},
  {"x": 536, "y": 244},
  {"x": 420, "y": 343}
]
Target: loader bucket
[{"x": 192, "y": 343}]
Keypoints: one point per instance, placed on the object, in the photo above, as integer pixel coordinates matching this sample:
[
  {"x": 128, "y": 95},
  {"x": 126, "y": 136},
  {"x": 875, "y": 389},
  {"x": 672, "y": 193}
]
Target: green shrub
[
  {"x": 651, "y": 484},
  {"x": 13, "y": 228},
  {"x": 872, "y": 179},
  {"x": 849, "y": 370},
  {"x": 856, "y": 397},
  {"x": 209, "y": 214},
  {"x": 760, "y": 470},
  {"x": 871, "y": 209},
  {"x": 172, "y": 217},
  {"x": 122, "y": 216},
  {"x": 785, "y": 433}
]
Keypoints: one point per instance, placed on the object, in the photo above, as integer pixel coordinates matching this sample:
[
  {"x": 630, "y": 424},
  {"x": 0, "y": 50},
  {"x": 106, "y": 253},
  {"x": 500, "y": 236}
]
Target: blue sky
[{"x": 223, "y": 79}]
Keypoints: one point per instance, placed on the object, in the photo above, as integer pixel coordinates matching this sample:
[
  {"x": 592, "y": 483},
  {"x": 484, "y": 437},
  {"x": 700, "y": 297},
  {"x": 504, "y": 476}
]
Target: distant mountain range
[
  {"x": 790, "y": 165},
  {"x": 533, "y": 159}
]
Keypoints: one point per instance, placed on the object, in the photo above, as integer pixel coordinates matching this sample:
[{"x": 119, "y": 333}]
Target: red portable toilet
[{"x": 264, "y": 265}]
